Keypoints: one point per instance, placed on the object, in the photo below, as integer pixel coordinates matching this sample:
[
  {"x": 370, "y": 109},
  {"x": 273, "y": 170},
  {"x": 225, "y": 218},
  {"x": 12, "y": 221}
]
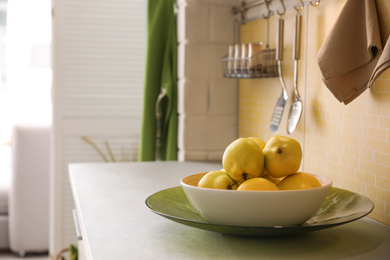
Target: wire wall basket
[{"x": 262, "y": 64}]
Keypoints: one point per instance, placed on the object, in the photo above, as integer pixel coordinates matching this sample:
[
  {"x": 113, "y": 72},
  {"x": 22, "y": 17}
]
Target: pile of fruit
[{"x": 253, "y": 164}]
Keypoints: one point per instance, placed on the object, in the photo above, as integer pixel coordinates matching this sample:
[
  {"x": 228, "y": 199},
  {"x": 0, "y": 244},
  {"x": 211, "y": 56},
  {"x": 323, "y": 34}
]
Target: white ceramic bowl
[{"x": 255, "y": 208}]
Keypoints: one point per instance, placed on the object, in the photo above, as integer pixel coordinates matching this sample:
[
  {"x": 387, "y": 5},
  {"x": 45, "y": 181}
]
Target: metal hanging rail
[
  {"x": 243, "y": 8},
  {"x": 246, "y": 6}
]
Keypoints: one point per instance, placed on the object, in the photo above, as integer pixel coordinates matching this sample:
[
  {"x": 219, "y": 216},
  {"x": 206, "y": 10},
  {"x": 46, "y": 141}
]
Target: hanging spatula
[{"x": 281, "y": 102}]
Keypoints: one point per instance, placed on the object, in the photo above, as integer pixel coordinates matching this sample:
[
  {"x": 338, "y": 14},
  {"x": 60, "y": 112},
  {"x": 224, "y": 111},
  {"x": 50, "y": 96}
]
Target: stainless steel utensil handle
[
  {"x": 296, "y": 51},
  {"x": 279, "y": 40},
  {"x": 279, "y": 54},
  {"x": 284, "y": 87},
  {"x": 297, "y": 37}
]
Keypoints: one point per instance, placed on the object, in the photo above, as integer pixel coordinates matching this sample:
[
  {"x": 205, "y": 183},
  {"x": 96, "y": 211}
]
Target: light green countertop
[{"x": 116, "y": 224}]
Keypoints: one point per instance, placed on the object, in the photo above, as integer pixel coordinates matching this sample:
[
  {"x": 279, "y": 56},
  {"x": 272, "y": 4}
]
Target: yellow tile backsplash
[{"x": 349, "y": 143}]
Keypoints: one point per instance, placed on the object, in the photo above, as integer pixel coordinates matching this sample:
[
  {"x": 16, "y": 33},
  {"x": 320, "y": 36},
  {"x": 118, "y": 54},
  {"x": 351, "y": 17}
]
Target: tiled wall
[
  {"x": 349, "y": 143},
  {"x": 207, "y": 102}
]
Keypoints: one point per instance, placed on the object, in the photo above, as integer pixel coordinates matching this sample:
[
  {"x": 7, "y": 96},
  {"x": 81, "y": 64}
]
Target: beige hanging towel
[
  {"x": 383, "y": 63},
  {"x": 351, "y": 50}
]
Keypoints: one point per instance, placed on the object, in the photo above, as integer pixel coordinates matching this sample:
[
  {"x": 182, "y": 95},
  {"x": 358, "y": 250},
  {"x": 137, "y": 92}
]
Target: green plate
[{"x": 340, "y": 207}]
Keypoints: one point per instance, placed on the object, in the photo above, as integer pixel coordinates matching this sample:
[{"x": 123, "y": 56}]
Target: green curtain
[{"x": 161, "y": 71}]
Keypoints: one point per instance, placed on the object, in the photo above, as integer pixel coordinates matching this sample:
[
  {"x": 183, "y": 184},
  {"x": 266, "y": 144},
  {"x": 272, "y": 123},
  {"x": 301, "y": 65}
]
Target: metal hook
[
  {"x": 314, "y": 4},
  {"x": 269, "y": 14},
  {"x": 243, "y": 11},
  {"x": 299, "y": 8},
  {"x": 284, "y": 9}
]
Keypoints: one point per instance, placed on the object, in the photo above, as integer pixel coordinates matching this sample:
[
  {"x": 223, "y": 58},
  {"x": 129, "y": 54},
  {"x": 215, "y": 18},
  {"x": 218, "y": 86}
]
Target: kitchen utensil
[
  {"x": 281, "y": 102},
  {"x": 230, "y": 62},
  {"x": 244, "y": 58},
  {"x": 266, "y": 53},
  {"x": 237, "y": 59},
  {"x": 296, "y": 107}
]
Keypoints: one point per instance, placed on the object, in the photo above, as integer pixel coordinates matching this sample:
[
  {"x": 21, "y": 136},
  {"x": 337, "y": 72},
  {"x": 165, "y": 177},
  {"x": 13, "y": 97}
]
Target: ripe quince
[
  {"x": 283, "y": 156},
  {"x": 243, "y": 159},
  {"x": 299, "y": 181},
  {"x": 217, "y": 180},
  {"x": 258, "y": 183}
]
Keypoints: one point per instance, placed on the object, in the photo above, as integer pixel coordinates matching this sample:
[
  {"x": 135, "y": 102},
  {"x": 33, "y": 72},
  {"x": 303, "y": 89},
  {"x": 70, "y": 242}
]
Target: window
[
  {"x": 25, "y": 39},
  {"x": 25, "y": 73}
]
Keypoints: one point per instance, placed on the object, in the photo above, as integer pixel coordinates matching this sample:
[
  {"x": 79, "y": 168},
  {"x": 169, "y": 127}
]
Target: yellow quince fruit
[
  {"x": 259, "y": 141},
  {"x": 217, "y": 180},
  {"x": 299, "y": 181},
  {"x": 283, "y": 156},
  {"x": 243, "y": 159},
  {"x": 258, "y": 183}
]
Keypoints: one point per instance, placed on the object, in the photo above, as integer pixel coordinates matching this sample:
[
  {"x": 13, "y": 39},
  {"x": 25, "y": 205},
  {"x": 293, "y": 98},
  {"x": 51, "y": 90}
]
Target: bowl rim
[{"x": 327, "y": 181}]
